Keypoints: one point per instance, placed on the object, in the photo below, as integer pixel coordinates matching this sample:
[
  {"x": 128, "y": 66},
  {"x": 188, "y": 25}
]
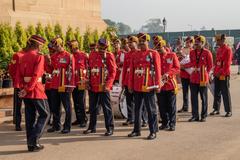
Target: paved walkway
[{"x": 217, "y": 139}]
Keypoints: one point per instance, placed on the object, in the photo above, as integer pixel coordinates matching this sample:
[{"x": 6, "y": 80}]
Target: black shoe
[
  {"x": 35, "y": 148},
  {"x": 18, "y": 128},
  {"x": 51, "y": 130},
  {"x": 82, "y": 125},
  {"x": 144, "y": 124},
  {"x": 193, "y": 119},
  {"x": 88, "y": 131},
  {"x": 214, "y": 112},
  {"x": 163, "y": 127},
  {"x": 134, "y": 134},
  {"x": 65, "y": 131},
  {"x": 203, "y": 120},
  {"x": 171, "y": 128},
  {"x": 127, "y": 123},
  {"x": 152, "y": 136},
  {"x": 182, "y": 110},
  {"x": 228, "y": 114},
  {"x": 109, "y": 133},
  {"x": 75, "y": 123}
]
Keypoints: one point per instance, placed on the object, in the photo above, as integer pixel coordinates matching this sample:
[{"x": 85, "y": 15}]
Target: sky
[{"x": 181, "y": 15}]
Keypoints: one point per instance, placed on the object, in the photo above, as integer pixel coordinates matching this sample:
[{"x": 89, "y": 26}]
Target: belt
[
  {"x": 28, "y": 79},
  {"x": 139, "y": 71},
  {"x": 56, "y": 71},
  {"x": 95, "y": 70},
  {"x": 84, "y": 71}
]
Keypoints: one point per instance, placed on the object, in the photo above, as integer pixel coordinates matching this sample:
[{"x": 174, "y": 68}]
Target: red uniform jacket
[
  {"x": 119, "y": 61},
  {"x": 81, "y": 66},
  {"x": 223, "y": 61},
  {"x": 29, "y": 73},
  {"x": 170, "y": 65},
  {"x": 141, "y": 70},
  {"x": 60, "y": 65},
  {"x": 126, "y": 68},
  {"x": 13, "y": 67},
  {"x": 204, "y": 58},
  {"x": 97, "y": 75}
]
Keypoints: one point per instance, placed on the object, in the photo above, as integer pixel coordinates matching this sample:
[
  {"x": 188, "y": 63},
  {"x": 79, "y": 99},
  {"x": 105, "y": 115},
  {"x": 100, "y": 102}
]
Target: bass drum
[{"x": 118, "y": 101}]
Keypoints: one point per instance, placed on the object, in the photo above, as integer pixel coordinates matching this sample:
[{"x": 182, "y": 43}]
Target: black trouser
[
  {"x": 57, "y": 98},
  {"x": 167, "y": 107},
  {"x": 103, "y": 99},
  {"x": 35, "y": 127},
  {"x": 185, "y": 91},
  {"x": 149, "y": 100},
  {"x": 49, "y": 99},
  {"x": 17, "y": 108},
  {"x": 203, "y": 90},
  {"x": 130, "y": 105},
  {"x": 222, "y": 88},
  {"x": 79, "y": 105}
]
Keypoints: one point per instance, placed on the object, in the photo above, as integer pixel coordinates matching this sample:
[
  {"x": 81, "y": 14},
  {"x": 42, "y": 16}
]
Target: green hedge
[{"x": 13, "y": 39}]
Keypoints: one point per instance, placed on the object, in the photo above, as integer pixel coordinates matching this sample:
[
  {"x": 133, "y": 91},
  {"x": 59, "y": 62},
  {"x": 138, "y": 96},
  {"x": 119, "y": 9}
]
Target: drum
[{"x": 118, "y": 101}]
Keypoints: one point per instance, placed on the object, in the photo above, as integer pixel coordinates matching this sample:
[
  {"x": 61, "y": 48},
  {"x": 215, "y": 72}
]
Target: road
[{"x": 216, "y": 139}]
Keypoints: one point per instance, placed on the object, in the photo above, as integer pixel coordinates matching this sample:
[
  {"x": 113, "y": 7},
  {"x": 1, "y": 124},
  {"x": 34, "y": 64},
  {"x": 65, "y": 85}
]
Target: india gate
[{"x": 76, "y": 13}]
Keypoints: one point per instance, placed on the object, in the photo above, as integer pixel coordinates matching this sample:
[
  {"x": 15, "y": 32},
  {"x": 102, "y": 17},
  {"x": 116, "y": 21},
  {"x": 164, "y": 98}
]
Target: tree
[
  {"x": 152, "y": 26},
  {"x": 87, "y": 40},
  {"x": 95, "y": 36},
  {"x": 20, "y": 34},
  {"x": 110, "y": 23},
  {"x": 79, "y": 38},
  {"x": 58, "y": 30},
  {"x": 49, "y": 32},
  {"x": 30, "y": 30},
  {"x": 70, "y": 34},
  {"x": 124, "y": 29}
]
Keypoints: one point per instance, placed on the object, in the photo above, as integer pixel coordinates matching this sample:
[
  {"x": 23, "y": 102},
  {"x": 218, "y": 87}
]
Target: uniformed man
[
  {"x": 222, "y": 77},
  {"x": 185, "y": 76},
  {"x": 145, "y": 75},
  {"x": 125, "y": 44},
  {"x": 102, "y": 67},
  {"x": 17, "y": 102},
  {"x": 170, "y": 67},
  {"x": 63, "y": 65},
  {"x": 119, "y": 56},
  {"x": 81, "y": 66},
  {"x": 29, "y": 73},
  {"x": 133, "y": 44},
  {"x": 202, "y": 62}
]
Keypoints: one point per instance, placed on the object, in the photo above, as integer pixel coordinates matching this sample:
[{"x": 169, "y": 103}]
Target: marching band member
[
  {"x": 202, "y": 62},
  {"x": 185, "y": 76},
  {"x": 102, "y": 67},
  {"x": 145, "y": 75},
  {"x": 63, "y": 65},
  {"x": 29, "y": 73},
  {"x": 170, "y": 67},
  {"x": 133, "y": 44},
  {"x": 81, "y": 64},
  {"x": 222, "y": 77}
]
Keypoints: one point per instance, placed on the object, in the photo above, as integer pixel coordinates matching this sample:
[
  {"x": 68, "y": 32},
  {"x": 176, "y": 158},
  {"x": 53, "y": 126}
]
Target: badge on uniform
[
  {"x": 79, "y": 61},
  {"x": 169, "y": 60},
  {"x": 63, "y": 60},
  {"x": 218, "y": 63},
  {"x": 148, "y": 58},
  {"x": 203, "y": 58}
]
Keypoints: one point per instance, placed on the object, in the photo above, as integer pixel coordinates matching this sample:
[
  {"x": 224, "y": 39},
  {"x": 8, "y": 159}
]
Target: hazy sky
[{"x": 180, "y": 14}]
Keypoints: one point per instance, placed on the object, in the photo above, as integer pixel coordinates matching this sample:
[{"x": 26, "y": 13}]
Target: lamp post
[
  {"x": 164, "y": 24},
  {"x": 13, "y": 5}
]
